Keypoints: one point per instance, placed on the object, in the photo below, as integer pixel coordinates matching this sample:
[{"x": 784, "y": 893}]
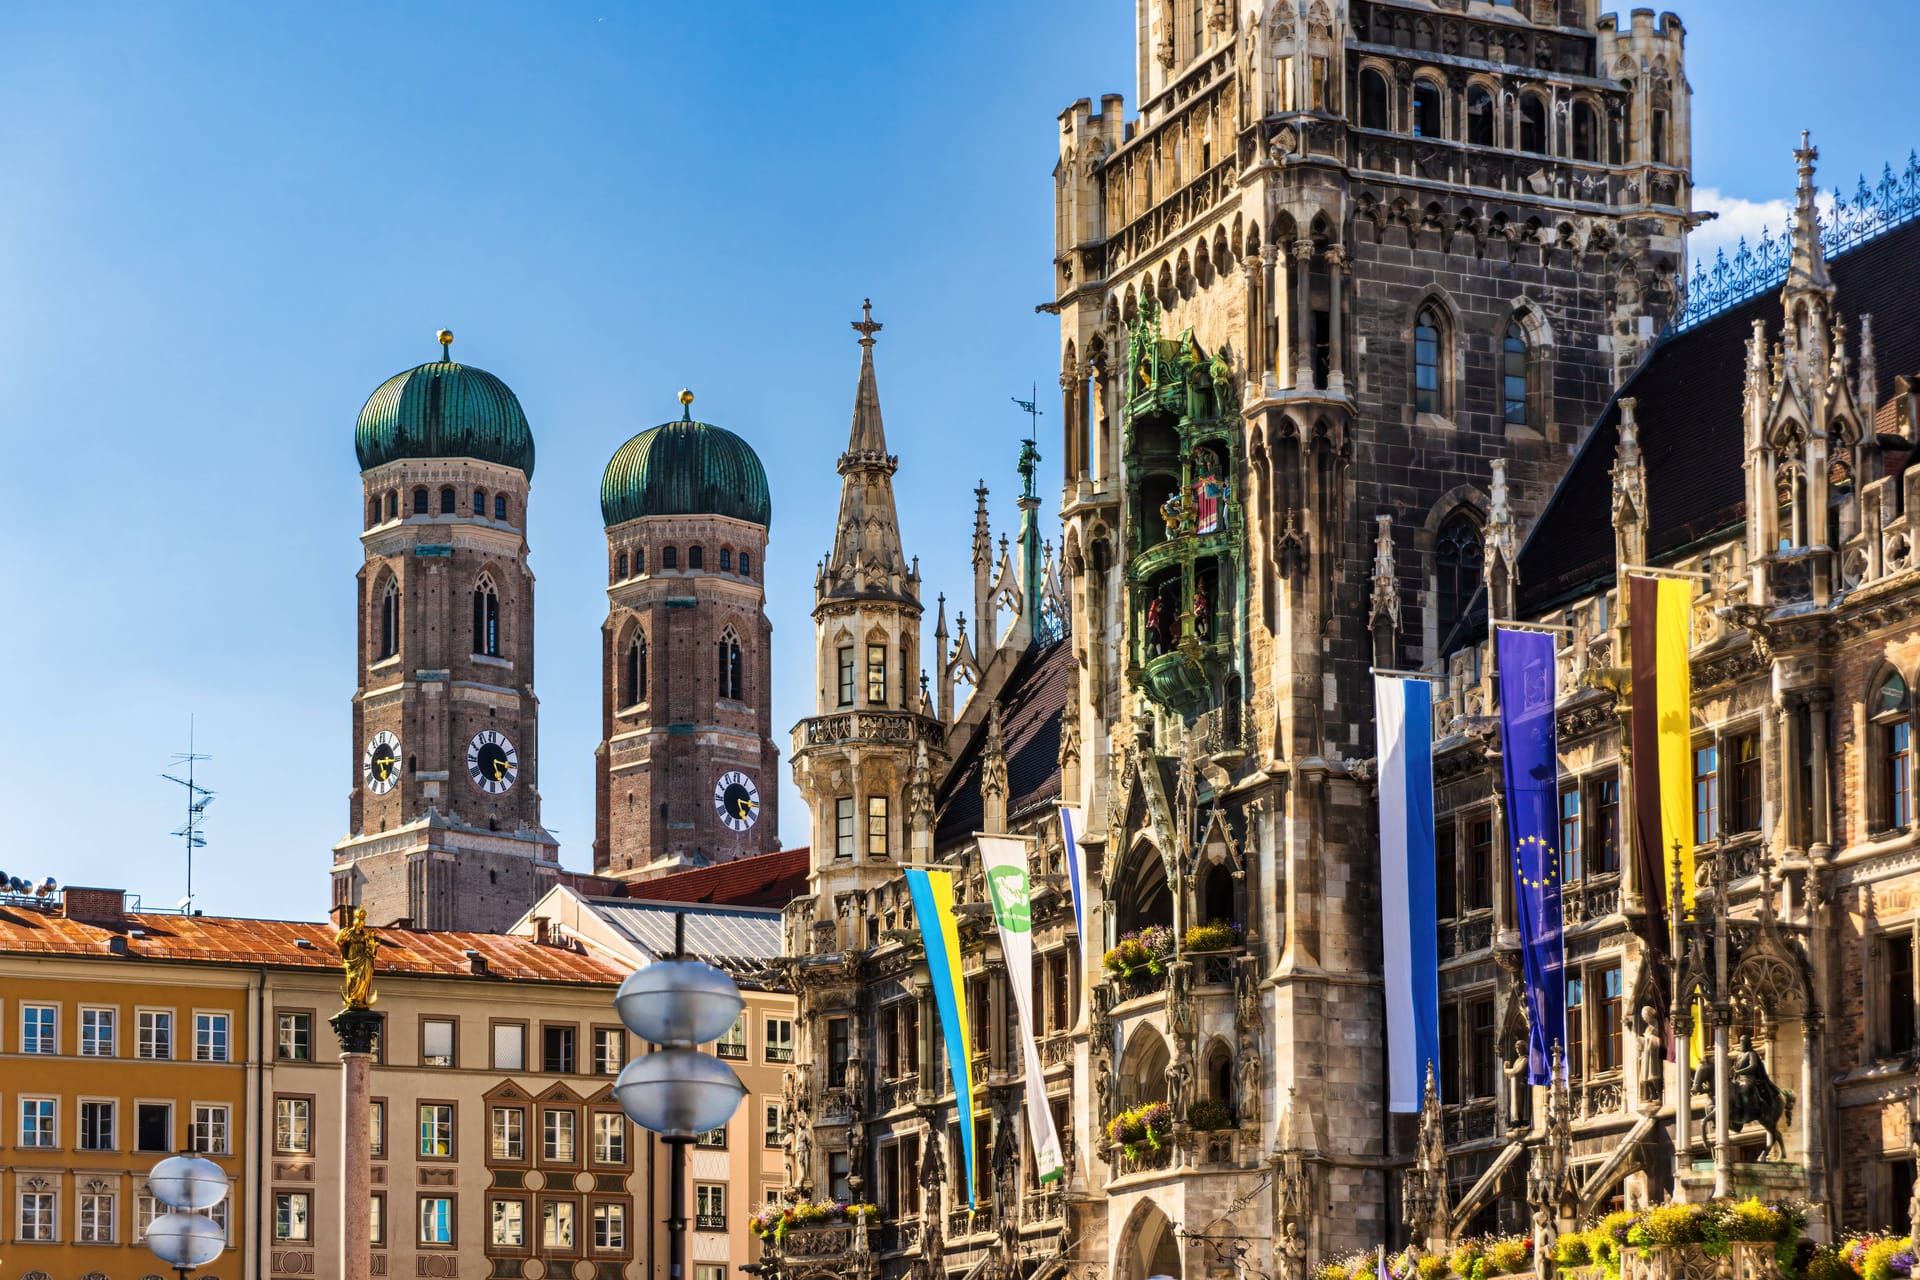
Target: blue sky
[{"x": 224, "y": 225}]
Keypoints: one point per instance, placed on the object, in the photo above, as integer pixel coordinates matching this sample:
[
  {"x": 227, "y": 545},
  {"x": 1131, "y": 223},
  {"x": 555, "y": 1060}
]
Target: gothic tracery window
[
  {"x": 1892, "y": 709},
  {"x": 486, "y": 618},
  {"x": 1427, "y": 330},
  {"x": 389, "y": 619},
  {"x": 633, "y": 676},
  {"x": 1373, "y": 100},
  {"x": 1456, "y": 562},
  {"x": 732, "y": 673},
  {"x": 1426, "y": 109},
  {"x": 1513, "y": 374},
  {"x": 1533, "y": 123},
  {"x": 1479, "y": 116}
]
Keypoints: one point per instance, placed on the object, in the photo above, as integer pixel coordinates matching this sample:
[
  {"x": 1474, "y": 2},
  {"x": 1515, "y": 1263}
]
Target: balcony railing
[
  {"x": 897, "y": 728},
  {"x": 779, "y": 1053},
  {"x": 737, "y": 1052},
  {"x": 709, "y": 1222},
  {"x": 980, "y": 1221}
]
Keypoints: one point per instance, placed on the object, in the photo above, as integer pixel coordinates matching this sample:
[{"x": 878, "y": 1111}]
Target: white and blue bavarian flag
[
  {"x": 1004, "y": 859},
  {"x": 1410, "y": 932}
]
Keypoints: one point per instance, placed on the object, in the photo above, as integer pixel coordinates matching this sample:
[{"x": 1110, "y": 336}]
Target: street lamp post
[
  {"x": 677, "y": 1091},
  {"x": 184, "y": 1238}
]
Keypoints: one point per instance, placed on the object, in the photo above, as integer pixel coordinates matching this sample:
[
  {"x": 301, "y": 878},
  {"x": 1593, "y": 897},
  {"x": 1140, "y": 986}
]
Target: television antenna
[{"x": 198, "y": 798}]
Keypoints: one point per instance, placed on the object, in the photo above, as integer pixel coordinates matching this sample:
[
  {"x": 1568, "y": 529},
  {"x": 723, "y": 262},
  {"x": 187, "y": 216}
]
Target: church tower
[
  {"x": 444, "y": 821},
  {"x": 868, "y": 756},
  {"x": 687, "y": 770}
]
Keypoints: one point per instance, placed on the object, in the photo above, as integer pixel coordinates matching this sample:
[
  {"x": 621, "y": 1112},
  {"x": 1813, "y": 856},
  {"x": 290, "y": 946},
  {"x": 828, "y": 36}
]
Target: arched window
[
  {"x": 393, "y": 503},
  {"x": 732, "y": 676},
  {"x": 1892, "y": 710},
  {"x": 1427, "y": 329},
  {"x": 373, "y": 512},
  {"x": 620, "y": 567},
  {"x": 1456, "y": 562},
  {"x": 446, "y": 502},
  {"x": 486, "y": 618},
  {"x": 639, "y": 561},
  {"x": 696, "y": 557},
  {"x": 633, "y": 676},
  {"x": 1533, "y": 123},
  {"x": 726, "y": 560},
  {"x": 1513, "y": 374},
  {"x": 1479, "y": 116},
  {"x": 669, "y": 557},
  {"x": 479, "y": 503},
  {"x": 1586, "y": 132},
  {"x": 1426, "y": 109},
  {"x": 1373, "y": 100},
  {"x": 389, "y": 619},
  {"x": 420, "y": 502},
  {"x": 1787, "y": 507},
  {"x": 746, "y": 564},
  {"x": 500, "y": 506}
]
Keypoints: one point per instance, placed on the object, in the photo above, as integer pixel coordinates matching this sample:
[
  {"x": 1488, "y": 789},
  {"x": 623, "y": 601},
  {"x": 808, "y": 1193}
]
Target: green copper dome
[
  {"x": 685, "y": 468},
  {"x": 444, "y": 410}
]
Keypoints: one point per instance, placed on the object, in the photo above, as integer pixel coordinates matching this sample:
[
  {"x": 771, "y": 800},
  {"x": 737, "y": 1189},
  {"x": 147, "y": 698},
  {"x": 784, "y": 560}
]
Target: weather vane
[{"x": 1032, "y": 409}]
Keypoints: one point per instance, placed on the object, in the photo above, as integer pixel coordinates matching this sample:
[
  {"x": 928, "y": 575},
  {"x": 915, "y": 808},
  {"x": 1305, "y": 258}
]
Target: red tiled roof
[
  {"x": 241, "y": 941},
  {"x": 763, "y": 880}
]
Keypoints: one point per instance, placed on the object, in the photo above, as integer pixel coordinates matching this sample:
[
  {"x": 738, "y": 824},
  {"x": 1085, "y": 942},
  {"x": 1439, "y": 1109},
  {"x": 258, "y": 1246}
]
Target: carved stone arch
[
  {"x": 1163, "y": 285},
  {"x": 1216, "y": 1062},
  {"x": 1184, "y": 279},
  {"x": 1435, "y": 552},
  {"x": 1437, "y": 303},
  {"x": 1768, "y": 988},
  {"x": 1143, "y": 1064},
  {"x": 1130, "y": 309},
  {"x": 1149, "y": 1245},
  {"x": 1223, "y": 259},
  {"x": 1253, "y": 238}
]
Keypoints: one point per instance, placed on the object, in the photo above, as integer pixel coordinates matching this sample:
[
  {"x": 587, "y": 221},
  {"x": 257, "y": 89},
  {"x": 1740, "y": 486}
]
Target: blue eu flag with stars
[{"x": 1530, "y": 762}]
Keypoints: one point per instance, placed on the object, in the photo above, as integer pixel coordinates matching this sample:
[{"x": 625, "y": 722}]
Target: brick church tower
[
  {"x": 686, "y": 771},
  {"x": 445, "y": 815}
]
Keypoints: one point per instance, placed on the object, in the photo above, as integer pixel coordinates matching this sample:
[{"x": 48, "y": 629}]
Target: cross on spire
[{"x": 866, "y": 325}]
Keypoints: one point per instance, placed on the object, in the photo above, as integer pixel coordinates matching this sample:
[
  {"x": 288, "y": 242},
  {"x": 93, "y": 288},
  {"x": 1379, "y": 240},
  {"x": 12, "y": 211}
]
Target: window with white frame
[
  {"x": 779, "y": 1040},
  {"x": 96, "y": 1125},
  {"x": 210, "y": 1037},
  {"x": 556, "y": 1136},
  {"x": 733, "y": 1044},
  {"x": 436, "y": 1042},
  {"x": 146, "y": 1207},
  {"x": 436, "y": 1129},
  {"x": 377, "y": 1127},
  {"x": 377, "y": 1219},
  {"x": 509, "y": 1223},
  {"x": 293, "y": 1125},
  {"x": 153, "y": 1126},
  {"x": 609, "y": 1226},
  {"x": 509, "y": 1133},
  {"x": 292, "y": 1215},
  {"x": 96, "y": 1217},
  {"x": 294, "y": 1037},
  {"x": 709, "y": 1207},
  {"x": 37, "y": 1122},
  {"x": 436, "y": 1220},
  {"x": 609, "y": 1051},
  {"x": 210, "y": 1128},
  {"x": 39, "y": 1028},
  {"x": 97, "y": 1028},
  {"x": 510, "y": 1046},
  {"x": 37, "y": 1217},
  {"x": 556, "y": 1224},
  {"x": 153, "y": 1033},
  {"x": 609, "y": 1137}
]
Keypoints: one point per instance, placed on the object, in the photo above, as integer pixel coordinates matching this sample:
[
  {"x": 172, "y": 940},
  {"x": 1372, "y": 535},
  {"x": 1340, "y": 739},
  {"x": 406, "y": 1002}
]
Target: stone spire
[
  {"x": 982, "y": 566},
  {"x": 866, "y": 559},
  {"x": 1386, "y": 587},
  {"x": 1808, "y": 269}
]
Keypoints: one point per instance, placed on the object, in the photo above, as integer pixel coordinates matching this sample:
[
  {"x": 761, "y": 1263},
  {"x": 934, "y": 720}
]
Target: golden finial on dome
[
  {"x": 686, "y": 405},
  {"x": 445, "y": 337}
]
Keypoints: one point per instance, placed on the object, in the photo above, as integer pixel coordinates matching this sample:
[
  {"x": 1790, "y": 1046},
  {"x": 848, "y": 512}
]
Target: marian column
[{"x": 358, "y": 1027}]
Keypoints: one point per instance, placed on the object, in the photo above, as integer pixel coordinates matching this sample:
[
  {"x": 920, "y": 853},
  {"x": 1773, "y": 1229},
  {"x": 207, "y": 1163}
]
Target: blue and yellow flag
[
  {"x": 940, "y": 933},
  {"x": 1530, "y": 760}
]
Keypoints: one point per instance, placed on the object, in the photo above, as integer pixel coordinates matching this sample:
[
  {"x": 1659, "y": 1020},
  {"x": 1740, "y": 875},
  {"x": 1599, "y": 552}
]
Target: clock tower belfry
[
  {"x": 686, "y": 774},
  {"x": 445, "y": 812}
]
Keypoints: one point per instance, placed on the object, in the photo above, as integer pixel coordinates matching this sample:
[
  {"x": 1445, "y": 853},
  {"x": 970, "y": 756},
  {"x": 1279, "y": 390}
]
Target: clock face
[
  {"x": 492, "y": 762},
  {"x": 380, "y": 766},
  {"x": 736, "y": 800}
]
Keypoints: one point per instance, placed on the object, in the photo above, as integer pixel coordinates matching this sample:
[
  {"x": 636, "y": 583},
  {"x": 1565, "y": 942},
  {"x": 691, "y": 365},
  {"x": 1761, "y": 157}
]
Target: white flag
[{"x": 1005, "y": 861}]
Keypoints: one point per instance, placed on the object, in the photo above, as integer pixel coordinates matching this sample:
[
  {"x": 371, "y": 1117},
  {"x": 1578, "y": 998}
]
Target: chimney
[
  {"x": 543, "y": 931},
  {"x": 478, "y": 962},
  {"x": 95, "y": 906}
]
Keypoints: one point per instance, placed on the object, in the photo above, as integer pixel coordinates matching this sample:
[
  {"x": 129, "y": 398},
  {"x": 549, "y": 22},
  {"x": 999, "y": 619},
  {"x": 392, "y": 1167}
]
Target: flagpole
[
  {"x": 1403, "y": 675},
  {"x": 1651, "y": 571}
]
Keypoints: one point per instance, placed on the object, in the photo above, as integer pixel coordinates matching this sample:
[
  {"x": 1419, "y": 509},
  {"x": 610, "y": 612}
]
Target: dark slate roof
[
  {"x": 763, "y": 880},
  {"x": 1689, "y": 407},
  {"x": 1031, "y": 703}
]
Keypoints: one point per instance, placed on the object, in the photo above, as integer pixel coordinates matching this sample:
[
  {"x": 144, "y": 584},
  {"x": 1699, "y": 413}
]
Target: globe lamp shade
[
  {"x": 186, "y": 1239},
  {"x": 678, "y": 1002},
  {"x": 678, "y": 1093},
  {"x": 188, "y": 1182}
]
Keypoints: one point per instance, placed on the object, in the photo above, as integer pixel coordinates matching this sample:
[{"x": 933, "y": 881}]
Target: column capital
[{"x": 358, "y": 1029}]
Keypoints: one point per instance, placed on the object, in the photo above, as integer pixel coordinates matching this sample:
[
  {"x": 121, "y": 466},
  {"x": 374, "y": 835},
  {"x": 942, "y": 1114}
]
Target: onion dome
[
  {"x": 444, "y": 410},
  {"x": 685, "y": 468}
]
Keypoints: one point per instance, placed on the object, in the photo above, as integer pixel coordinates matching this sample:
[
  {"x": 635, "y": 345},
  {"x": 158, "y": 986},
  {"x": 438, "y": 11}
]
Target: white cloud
[{"x": 1737, "y": 218}]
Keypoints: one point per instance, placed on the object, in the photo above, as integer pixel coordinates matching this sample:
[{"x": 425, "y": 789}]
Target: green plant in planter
[
  {"x": 1214, "y": 935},
  {"x": 1570, "y": 1250},
  {"x": 1210, "y": 1113},
  {"x": 1141, "y": 1127}
]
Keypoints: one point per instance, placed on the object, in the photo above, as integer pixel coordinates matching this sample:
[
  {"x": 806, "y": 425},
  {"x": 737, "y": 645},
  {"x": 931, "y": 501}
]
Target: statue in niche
[{"x": 1653, "y": 1053}]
